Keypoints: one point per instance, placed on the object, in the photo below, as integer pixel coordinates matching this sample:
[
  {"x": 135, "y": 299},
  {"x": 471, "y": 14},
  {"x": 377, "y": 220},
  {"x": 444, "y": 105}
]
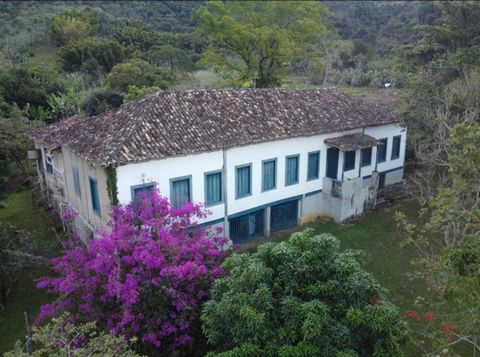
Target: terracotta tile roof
[
  {"x": 176, "y": 123},
  {"x": 354, "y": 141}
]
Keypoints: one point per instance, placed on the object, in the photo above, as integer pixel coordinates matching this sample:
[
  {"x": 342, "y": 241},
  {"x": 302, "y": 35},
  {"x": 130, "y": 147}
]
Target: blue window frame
[
  {"x": 349, "y": 163},
  {"x": 94, "y": 195},
  {"x": 141, "y": 190},
  {"x": 396, "y": 147},
  {"x": 213, "y": 188},
  {"x": 313, "y": 171},
  {"x": 76, "y": 181},
  {"x": 382, "y": 151},
  {"x": 366, "y": 157},
  {"x": 243, "y": 181},
  {"x": 269, "y": 174},
  {"x": 291, "y": 170},
  {"x": 49, "y": 164},
  {"x": 180, "y": 191}
]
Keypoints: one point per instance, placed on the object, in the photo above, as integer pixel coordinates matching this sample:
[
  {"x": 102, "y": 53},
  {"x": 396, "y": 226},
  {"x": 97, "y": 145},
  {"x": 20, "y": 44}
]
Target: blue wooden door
[
  {"x": 332, "y": 162},
  {"x": 381, "y": 181},
  {"x": 284, "y": 216}
]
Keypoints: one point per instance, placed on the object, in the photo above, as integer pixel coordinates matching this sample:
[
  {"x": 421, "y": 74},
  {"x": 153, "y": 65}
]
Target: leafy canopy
[
  {"x": 72, "y": 25},
  {"x": 254, "y": 42},
  {"x": 139, "y": 73},
  {"x": 301, "y": 297}
]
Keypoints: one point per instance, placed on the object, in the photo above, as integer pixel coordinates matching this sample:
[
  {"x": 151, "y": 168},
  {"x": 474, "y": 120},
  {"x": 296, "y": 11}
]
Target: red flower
[
  {"x": 374, "y": 300},
  {"x": 412, "y": 314},
  {"x": 428, "y": 316},
  {"x": 447, "y": 329}
]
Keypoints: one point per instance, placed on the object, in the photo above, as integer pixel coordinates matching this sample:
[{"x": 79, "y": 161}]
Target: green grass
[
  {"x": 383, "y": 252},
  {"x": 19, "y": 210}
]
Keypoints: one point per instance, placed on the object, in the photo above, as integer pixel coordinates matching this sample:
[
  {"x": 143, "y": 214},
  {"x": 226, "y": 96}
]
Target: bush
[
  {"x": 139, "y": 73},
  {"x": 61, "y": 338},
  {"x": 145, "y": 277},
  {"x": 360, "y": 78},
  {"x": 72, "y": 25},
  {"x": 301, "y": 297},
  {"x": 29, "y": 85},
  {"x": 92, "y": 55},
  {"x": 135, "y": 93},
  {"x": 100, "y": 102}
]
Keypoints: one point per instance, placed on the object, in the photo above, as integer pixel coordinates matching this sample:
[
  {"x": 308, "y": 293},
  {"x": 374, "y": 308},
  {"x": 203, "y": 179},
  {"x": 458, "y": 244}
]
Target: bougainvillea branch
[{"x": 146, "y": 276}]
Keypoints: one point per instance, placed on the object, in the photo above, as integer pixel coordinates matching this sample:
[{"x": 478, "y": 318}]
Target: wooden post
[{"x": 28, "y": 337}]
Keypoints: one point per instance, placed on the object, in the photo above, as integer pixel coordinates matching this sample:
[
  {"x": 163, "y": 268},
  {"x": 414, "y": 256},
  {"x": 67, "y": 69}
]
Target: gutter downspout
[{"x": 226, "y": 228}]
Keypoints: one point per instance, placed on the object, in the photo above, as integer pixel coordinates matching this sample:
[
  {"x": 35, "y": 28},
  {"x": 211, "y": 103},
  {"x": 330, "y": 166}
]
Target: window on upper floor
[
  {"x": 141, "y": 190},
  {"x": 213, "y": 188},
  {"x": 180, "y": 191},
  {"x": 269, "y": 174},
  {"x": 243, "y": 181},
  {"x": 366, "y": 157},
  {"x": 94, "y": 195},
  {"x": 76, "y": 181},
  {"x": 349, "y": 163},
  {"x": 291, "y": 166},
  {"x": 49, "y": 164},
  {"x": 313, "y": 165},
  {"x": 396, "y": 147},
  {"x": 382, "y": 151}
]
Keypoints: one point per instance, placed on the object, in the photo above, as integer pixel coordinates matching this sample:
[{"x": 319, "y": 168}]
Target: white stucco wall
[{"x": 162, "y": 171}]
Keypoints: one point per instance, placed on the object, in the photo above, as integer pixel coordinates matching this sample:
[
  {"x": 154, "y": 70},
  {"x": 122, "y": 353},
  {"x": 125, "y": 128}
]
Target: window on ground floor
[{"x": 247, "y": 227}]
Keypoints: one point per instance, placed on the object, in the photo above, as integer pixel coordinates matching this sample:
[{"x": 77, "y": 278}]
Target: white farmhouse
[{"x": 261, "y": 160}]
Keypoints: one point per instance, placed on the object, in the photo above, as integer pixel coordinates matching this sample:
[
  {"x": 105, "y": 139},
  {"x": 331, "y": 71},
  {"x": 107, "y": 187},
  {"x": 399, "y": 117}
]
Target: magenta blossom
[{"x": 146, "y": 276}]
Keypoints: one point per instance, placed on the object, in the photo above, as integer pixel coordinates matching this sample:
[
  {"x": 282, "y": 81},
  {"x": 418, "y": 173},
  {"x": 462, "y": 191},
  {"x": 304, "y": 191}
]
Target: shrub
[
  {"x": 301, "y": 297},
  {"x": 92, "y": 55},
  {"x": 100, "y": 102},
  {"x": 139, "y": 73},
  {"x": 61, "y": 338},
  {"x": 135, "y": 93},
  {"x": 72, "y": 25},
  {"x": 145, "y": 277}
]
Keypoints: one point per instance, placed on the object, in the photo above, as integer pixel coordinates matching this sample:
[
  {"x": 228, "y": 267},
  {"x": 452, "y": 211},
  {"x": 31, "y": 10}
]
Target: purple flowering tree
[{"x": 145, "y": 277}]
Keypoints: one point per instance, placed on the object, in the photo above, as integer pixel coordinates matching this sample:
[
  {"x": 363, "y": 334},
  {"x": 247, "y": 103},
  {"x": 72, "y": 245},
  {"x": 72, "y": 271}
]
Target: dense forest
[{"x": 60, "y": 59}]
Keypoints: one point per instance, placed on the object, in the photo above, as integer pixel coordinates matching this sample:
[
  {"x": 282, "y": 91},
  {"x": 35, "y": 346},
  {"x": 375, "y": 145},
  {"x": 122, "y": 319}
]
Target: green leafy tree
[
  {"x": 255, "y": 41},
  {"x": 300, "y": 297},
  {"x": 29, "y": 85},
  {"x": 448, "y": 235},
  {"x": 139, "y": 73},
  {"x": 60, "y": 338},
  {"x": 72, "y": 25},
  {"x": 100, "y": 102},
  {"x": 171, "y": 57},
  {"x": 92, "y": 55},
  {"x": 13, "y": 147}
]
